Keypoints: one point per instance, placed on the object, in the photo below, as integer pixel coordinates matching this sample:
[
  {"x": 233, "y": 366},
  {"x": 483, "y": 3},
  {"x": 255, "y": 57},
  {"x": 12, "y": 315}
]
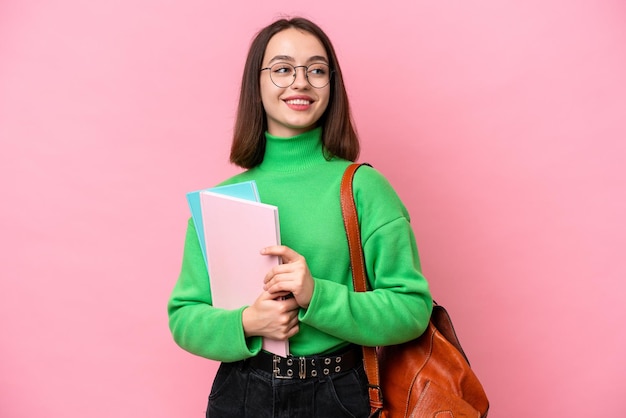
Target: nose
[{"x": 300, "y": 79}]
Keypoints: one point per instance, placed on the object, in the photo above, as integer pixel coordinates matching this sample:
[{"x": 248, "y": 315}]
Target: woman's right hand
[{"x": 271, "y": 316}]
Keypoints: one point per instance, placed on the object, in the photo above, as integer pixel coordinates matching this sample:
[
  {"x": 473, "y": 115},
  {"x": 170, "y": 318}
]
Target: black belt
[{"x": 293, "y": 367}]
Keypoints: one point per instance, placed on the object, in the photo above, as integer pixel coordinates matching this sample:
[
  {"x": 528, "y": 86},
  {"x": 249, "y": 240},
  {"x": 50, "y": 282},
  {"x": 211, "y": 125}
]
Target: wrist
[{"x": 247, "y": 322}]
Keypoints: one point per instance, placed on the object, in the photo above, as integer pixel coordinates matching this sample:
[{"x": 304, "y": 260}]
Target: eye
[
  {"x": 282, "y": 69},
  {"x": 318, "y": 69}
]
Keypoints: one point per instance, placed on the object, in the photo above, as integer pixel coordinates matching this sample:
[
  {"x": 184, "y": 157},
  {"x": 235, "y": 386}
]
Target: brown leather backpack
[{"x": 428, "y": 377}]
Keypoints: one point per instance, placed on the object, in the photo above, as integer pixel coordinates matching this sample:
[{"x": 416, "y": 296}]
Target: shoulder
[
  {"x": 369, "y": 177},
  {"x": 374, "y": 193},
  {"x": 371, "y": 182}
]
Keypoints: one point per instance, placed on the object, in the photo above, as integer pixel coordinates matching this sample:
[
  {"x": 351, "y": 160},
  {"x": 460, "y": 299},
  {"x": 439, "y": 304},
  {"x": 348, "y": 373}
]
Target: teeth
[{"x": 298, "y": 102}]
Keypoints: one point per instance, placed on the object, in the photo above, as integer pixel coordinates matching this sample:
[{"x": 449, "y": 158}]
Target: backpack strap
[{"x": 359, "y": 278}]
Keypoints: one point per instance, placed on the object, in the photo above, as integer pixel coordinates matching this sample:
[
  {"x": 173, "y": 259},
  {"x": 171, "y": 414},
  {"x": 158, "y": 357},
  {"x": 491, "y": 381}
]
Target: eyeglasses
[{"x": 283, "y": 75}]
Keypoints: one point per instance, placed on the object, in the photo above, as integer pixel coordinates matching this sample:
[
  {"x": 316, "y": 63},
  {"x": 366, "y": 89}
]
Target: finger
[
  {"x": 265, "y": 295},
  {"x": 277, "y": 296},
  {"x": 281, "y": 295},
  {"x": 287, "y": 333},
  {"x": 279, "y": 287},
  {"x": 274, "y": 250},
  {"x": 290, "y": 326},
  {"x": 295, "y": 329},
  {"x": 276, "y": 270},
  {"x": 291, "y": 305},
  {"x": 287, "y": 254}
]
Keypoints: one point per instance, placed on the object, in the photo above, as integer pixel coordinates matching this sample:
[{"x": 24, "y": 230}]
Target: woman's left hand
[{"x": 292, "y": 276}]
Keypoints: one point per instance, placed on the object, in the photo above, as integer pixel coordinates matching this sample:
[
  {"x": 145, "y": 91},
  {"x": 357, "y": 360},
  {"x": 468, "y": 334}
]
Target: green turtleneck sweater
[{"x": 296, "y": 177}]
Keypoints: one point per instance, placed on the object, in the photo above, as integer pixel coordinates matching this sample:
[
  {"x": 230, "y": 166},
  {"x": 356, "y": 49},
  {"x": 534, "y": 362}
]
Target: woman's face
[{"x": 295, "y": 109}]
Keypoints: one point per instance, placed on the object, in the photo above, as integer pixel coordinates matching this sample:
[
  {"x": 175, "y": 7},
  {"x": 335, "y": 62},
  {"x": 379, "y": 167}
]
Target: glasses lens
[
  {"x": 283, "y": 75},
  {"x": 318, "y": 75}
]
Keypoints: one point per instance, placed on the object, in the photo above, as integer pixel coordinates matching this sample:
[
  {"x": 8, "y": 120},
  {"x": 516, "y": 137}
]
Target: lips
[{"x": 298, "y": 101}]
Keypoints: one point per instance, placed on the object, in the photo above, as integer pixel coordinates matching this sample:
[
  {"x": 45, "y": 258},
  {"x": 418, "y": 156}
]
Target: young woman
[{"x": 294, "y": 136}]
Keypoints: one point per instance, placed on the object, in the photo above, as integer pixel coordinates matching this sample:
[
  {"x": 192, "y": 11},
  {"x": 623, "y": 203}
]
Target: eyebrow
[{"x": 314, "y": 58}]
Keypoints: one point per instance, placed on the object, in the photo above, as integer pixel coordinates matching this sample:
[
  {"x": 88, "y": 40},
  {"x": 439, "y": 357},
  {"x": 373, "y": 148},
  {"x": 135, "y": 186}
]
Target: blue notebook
[{"x": 245, "y": 190}]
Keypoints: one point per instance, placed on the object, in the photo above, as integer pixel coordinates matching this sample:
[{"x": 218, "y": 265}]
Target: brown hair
[{"x": 338, "y": 134}]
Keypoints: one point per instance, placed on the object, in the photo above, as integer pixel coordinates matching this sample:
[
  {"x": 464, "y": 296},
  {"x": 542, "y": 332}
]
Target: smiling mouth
[{"x": 299, "y": 102}]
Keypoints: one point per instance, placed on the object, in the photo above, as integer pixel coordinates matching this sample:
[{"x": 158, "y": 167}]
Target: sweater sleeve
[
  {"x": 399, "y": 306},
  {"x": 197, "y": 326}
]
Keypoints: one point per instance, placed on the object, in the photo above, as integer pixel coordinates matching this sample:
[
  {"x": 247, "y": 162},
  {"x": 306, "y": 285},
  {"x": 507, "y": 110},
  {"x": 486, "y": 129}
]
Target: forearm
[
  {"x": 399, "y": 307},
  {"x": 372, "y": 318},
  {"x": 212, "y": 333}
]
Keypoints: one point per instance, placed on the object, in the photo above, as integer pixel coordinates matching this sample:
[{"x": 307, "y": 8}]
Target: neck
[{"x": 294, "y": 153}]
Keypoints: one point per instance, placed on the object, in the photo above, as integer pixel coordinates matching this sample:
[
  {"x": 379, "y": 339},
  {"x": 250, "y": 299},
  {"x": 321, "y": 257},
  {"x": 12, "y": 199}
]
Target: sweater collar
[{"x": 294, "y": 153}]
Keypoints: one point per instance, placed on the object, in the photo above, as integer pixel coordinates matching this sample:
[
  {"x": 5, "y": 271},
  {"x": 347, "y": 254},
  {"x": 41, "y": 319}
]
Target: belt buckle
[{"x": 276, "y": 370}]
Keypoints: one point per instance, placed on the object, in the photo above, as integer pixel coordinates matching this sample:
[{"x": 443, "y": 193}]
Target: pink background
[{"x": 500, "y": 123}]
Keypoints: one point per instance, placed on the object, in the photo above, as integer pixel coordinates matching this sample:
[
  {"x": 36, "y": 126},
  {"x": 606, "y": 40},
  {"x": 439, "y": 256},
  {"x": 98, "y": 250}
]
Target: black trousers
[{"x": 241, "y": 391}]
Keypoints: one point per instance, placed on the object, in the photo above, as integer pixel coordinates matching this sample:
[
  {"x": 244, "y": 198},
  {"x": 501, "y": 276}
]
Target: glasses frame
[{"x": 295, "y": 74}]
